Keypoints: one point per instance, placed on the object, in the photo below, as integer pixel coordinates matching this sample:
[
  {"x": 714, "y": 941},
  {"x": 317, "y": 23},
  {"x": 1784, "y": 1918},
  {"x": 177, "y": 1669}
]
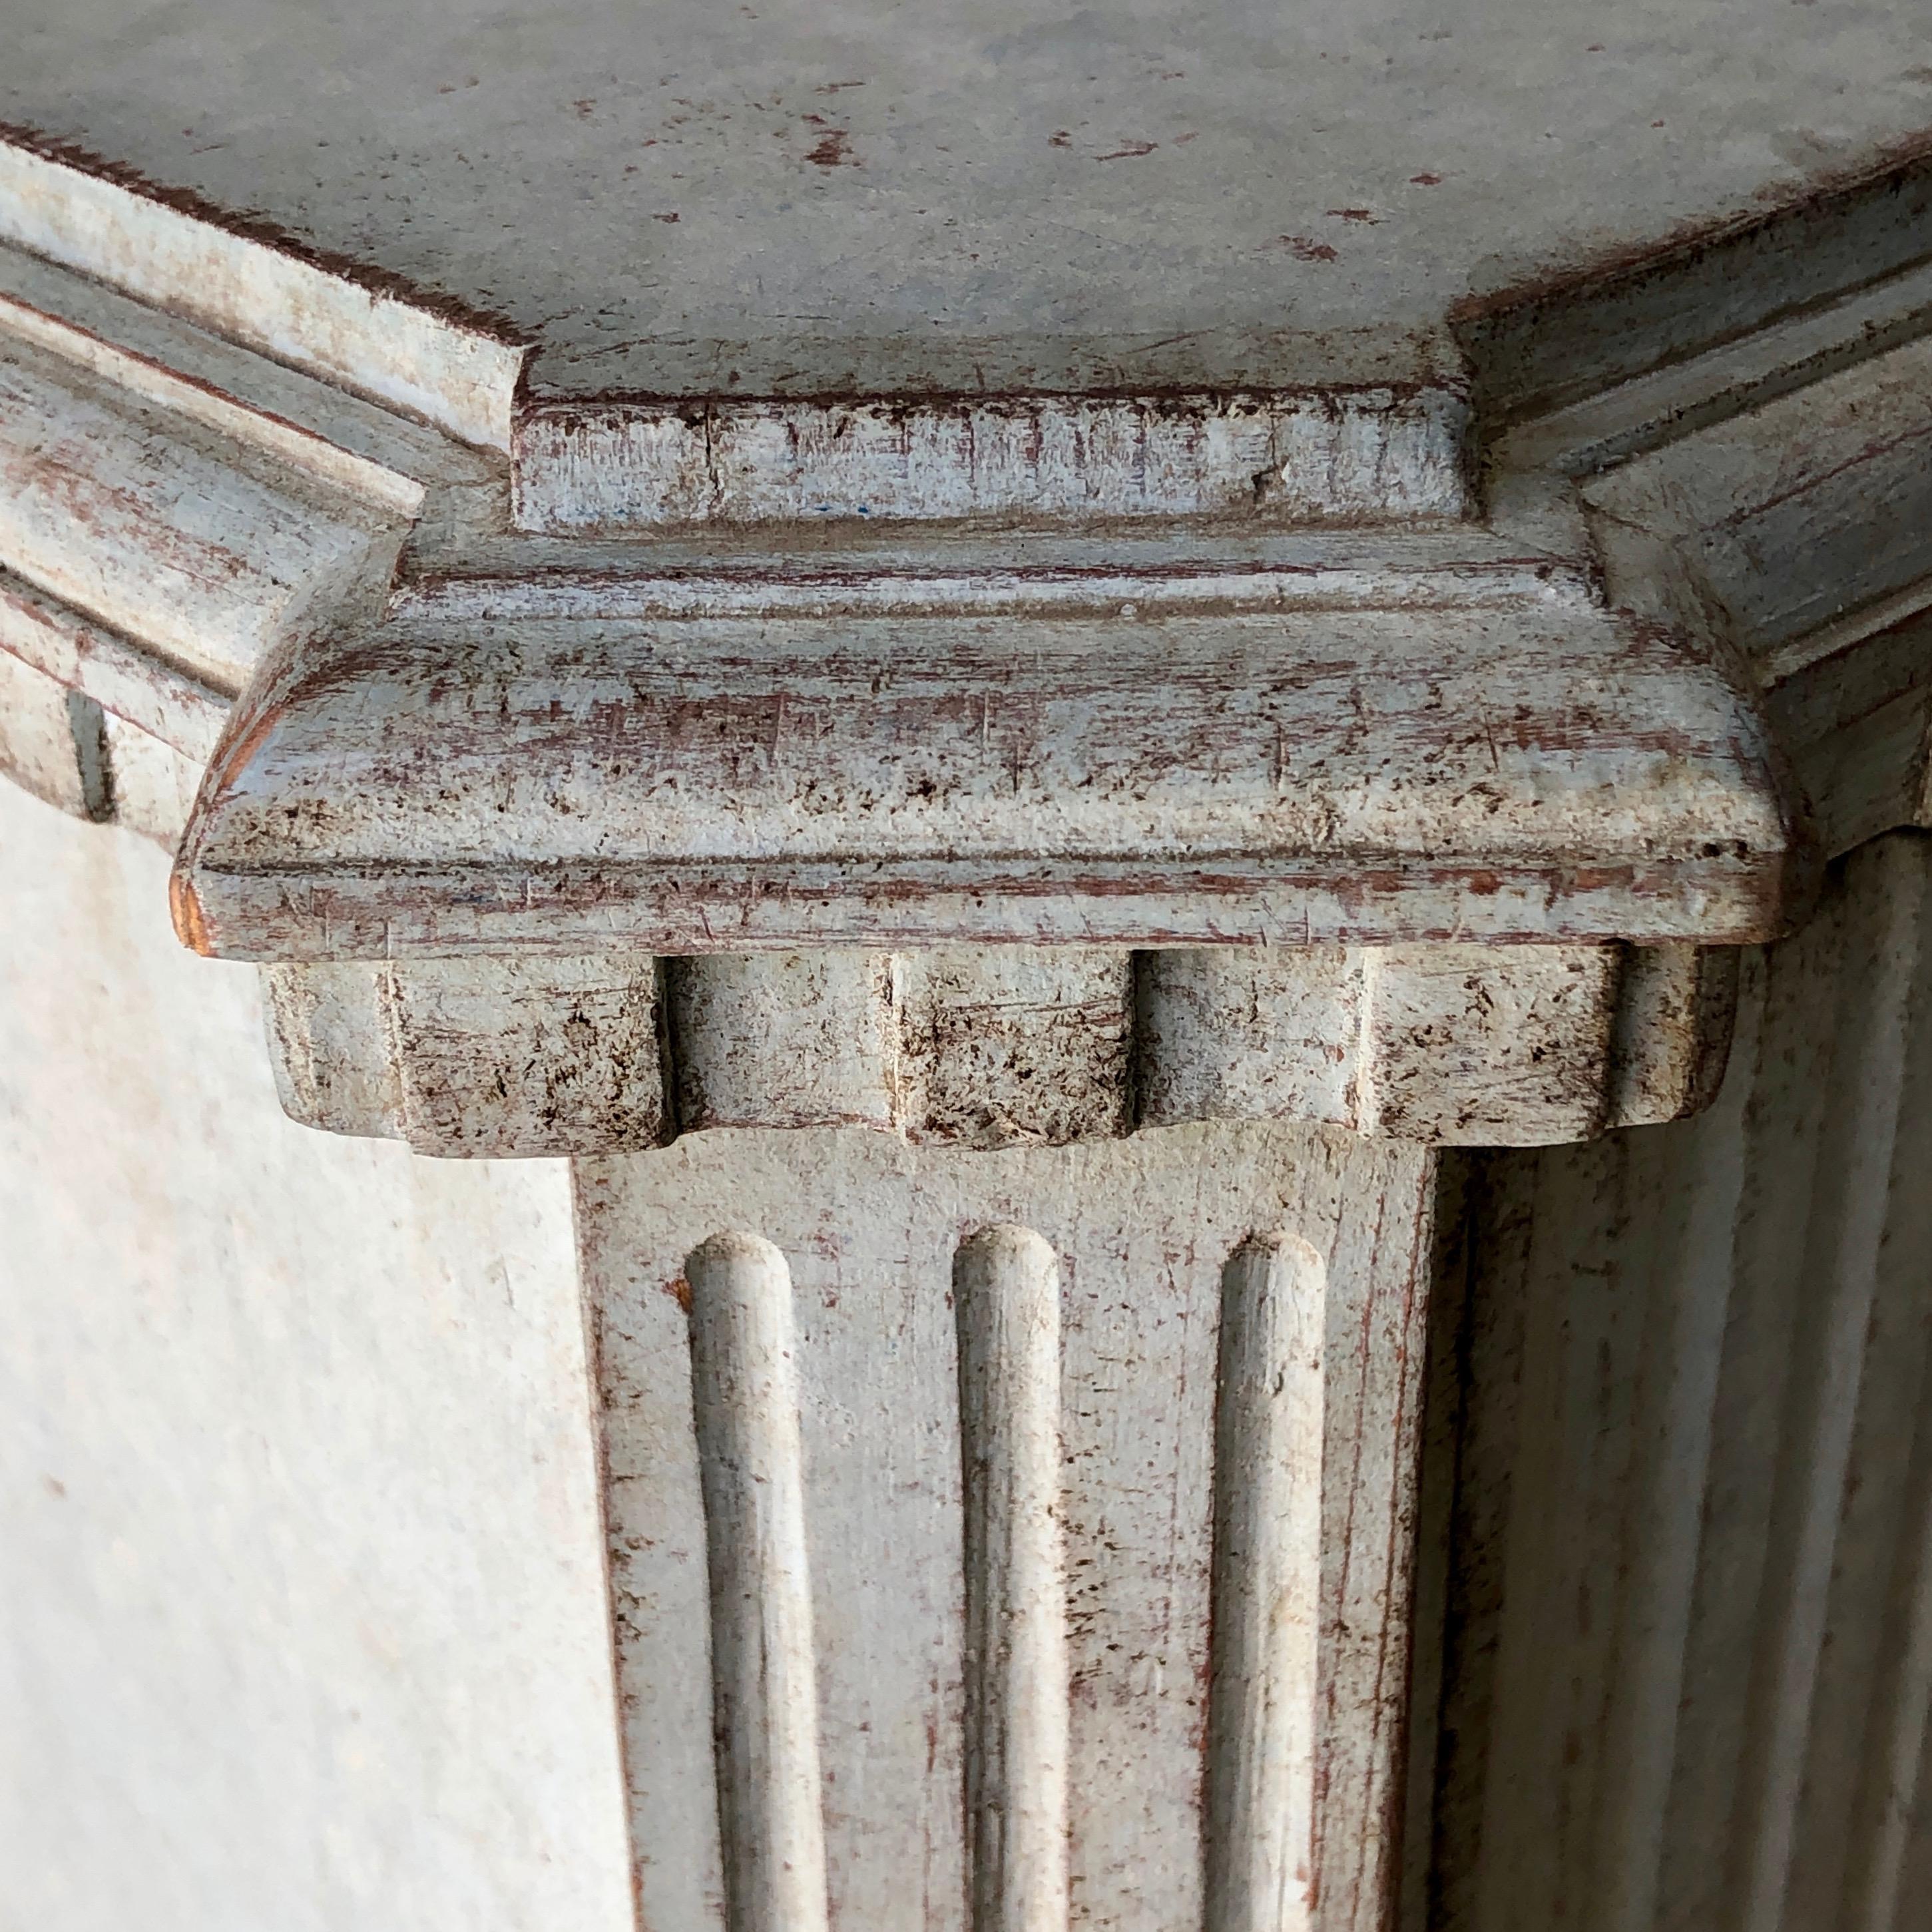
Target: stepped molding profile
[
  {"x": 1001, "y": 894},
  {"x": 446, "y": 760}
]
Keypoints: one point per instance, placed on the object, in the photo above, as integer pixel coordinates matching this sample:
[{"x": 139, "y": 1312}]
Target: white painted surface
[
  {"x": 301, "y": 1615},
  {"x": 1260, "y": 1816},
  {"x": 993, "y": 194},
  {"x": 1687, "y": 1681},
  {"x": 926, "y": 1541},
  {"x": 452, "y": 372},
  {"x": 1015, "y": 1653}
]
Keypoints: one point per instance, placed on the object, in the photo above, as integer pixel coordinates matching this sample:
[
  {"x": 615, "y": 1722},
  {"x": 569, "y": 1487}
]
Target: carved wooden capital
[{"x": 577, "y": 794}]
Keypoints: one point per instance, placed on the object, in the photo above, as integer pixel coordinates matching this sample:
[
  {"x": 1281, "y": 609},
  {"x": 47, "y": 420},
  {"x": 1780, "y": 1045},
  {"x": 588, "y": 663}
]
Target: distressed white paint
[
  {"x": 1262, "y": 1721},
  {"x": 1361, "y": 453},
  {"x": 150, "y": 787},
  {"x": 738, "y": 786},
  {"x": 450, "y": 372},
  {"x": 164, "y": 531},
  {"x": 986, "y": 196},
  {"x": 50, "y": 740},
  {"x": 1801, "y": 509},
  {"x": 899, "y": 1587},
  {"x": 1686, "y": 1683},
  {"x": 1007, "y": 1292},
  {"x": 841, "y": 570},
  {"x": 1452, "y": 1045},
  {"x": 763, "y": 1662},
  {"x": 869, "y": 1227}
]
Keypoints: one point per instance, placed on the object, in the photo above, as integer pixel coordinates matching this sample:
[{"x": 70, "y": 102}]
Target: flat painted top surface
[{"x": 806, "y": 195}]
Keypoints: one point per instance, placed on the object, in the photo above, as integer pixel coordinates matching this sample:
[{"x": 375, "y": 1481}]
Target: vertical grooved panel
[
  {"x": 1007, "y": 1295},
  {"x": 1011, "y": 1496},
  {"x": 1688, "y": 1660},
  {"x": 1268, "y": 1571},
  {"x": 746, "y": 1410}
]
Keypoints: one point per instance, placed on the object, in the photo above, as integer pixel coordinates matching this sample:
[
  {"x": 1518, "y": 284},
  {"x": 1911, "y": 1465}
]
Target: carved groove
[
  {"x": 1006, "y": 1289},
  {"x": 745, "y": 1403},
  {"x": 1267, "y": 1570}
]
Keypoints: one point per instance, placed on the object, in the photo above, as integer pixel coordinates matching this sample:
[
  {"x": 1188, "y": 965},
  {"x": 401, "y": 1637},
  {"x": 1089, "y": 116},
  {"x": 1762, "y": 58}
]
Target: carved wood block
[
  {"x": 475, "y": 1059},
  {"x": 1448, "y": 1045},
  {"x": 1010, "y": 1043},
  {"x": 785, "y": 1040},
  {"x": 1456, "y": 1045},
  {"x": 1075, "y": 1591},
  {"x": 613, "y": 466},
  {"x": 732, "y": 787}
]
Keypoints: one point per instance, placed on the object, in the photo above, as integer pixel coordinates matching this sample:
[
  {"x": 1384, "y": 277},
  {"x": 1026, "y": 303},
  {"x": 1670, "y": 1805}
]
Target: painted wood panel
[
  {"x": 1013, "y": 1621},
  {"x": 1687, "y": 1673}
]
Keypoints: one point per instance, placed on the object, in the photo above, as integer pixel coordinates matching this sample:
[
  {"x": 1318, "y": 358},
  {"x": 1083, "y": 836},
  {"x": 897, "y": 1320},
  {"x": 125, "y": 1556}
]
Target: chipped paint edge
[{"x": 450, "y": 370}]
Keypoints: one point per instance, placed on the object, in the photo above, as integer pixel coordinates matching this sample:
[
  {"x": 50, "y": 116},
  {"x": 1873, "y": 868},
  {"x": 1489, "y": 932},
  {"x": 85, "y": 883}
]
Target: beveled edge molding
[
  {"x": 400, "y": 346},
  {"x": 1731, "y": 541}
]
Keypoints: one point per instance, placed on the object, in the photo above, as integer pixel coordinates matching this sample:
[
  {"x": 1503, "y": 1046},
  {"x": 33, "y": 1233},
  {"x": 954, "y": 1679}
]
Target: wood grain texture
[
  {"x": 1143, "y": 1230},
  {"x": 203, "y": 548},
  {"x": 1686, "y": 1682},
  {"x": 991, "y": 1046},
  {"x": 489, "y": 1059},
  {"x": 1857, "y": 722},
  {"x": 1337, "y": 455},
  {"x": 1789, "y": 515},
  {"x": 449, "y": 373},
  {"x": 150, "y": 786},
  {"x": 845, "y": 569}
]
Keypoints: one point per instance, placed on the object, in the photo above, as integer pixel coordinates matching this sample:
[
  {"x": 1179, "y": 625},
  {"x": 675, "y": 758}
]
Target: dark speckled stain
[{"x": 834, "y": 146}]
